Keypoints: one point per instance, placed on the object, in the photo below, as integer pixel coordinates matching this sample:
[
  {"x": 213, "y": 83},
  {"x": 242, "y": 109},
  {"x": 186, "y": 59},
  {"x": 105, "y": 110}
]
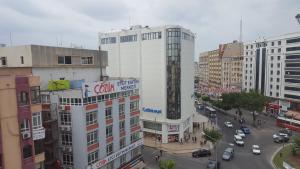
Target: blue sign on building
[{"x": 150, "y": 110}]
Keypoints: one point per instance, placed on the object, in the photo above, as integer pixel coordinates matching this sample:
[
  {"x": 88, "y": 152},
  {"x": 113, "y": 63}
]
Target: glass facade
[{"x": 173, "y": 73}]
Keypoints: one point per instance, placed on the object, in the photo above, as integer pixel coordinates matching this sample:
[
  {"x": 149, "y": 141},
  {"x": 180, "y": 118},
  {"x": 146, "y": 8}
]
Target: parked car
[
  {"x": 256, "y": 149},
  {"x": 286, "y": 131},
  {"x": 245, "y": 129},
  {"x": 201, "y": 153},
  {"x": 228, "y": 154},
  {"x": 279, "y": 135},
  {"x": 212, "y": 164},
  {"x": 281, "y": 139},
  {"x": 238, "y": 140},
  {"x": 228, "y": 124},
  {"x": 240, "y": 133}
]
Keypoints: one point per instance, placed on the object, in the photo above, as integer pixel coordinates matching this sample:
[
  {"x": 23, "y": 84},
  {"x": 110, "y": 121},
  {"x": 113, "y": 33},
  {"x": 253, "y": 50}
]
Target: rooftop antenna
[
  {"x": 241, "y": 29},
  {"x": 10, "y": 38}
]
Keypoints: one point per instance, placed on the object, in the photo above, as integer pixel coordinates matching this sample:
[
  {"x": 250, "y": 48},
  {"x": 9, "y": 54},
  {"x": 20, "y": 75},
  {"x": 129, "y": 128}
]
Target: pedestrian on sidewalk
[{"x": 161, "y": 152}]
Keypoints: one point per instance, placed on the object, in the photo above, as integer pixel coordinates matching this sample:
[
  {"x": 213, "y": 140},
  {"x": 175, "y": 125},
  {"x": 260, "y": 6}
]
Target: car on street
[
  {"x": 212, "y": 164},
  {"x": 240, "y": 133},
  {"x": 279, "y": 135},
  {"x": 256, "y": 149},
  {"x": 238, "y": 140},
  {"x": 281, "y": 139},
  {"x": 201, "y": 153},
  {"x": 228, "y": 124},
  {"x": 245, "y": 129},
  {"x": 286, "y": 131},
  {"x": 228, "y": 154}
]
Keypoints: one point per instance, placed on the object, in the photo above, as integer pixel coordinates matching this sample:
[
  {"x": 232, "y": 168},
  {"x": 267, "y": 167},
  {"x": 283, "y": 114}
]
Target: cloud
[{"x": 78, "y": 21}]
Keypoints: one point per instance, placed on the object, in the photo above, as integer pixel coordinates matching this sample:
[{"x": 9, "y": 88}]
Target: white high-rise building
[
  {"x": 272, "y": 66},
  {"x": 163, "y": 59}
]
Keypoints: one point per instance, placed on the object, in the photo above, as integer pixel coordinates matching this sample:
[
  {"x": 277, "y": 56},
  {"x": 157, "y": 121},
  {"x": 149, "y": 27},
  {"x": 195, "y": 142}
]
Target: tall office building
[
  {"x": 89, "y": 120},
  {"x": 271, "y": 67},
  {"x": 162, "y": 58}
]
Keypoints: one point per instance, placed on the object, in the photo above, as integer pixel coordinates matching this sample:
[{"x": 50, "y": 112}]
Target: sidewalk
[{"x": 177, "y": 148}]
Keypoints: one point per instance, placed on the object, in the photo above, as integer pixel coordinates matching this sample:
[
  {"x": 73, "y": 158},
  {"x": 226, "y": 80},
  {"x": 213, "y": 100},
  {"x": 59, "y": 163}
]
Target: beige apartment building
[
  {"x": 203, "y": 69},
  {"x": 232, "y": 65},
  {"x": 214, "y": 68}
]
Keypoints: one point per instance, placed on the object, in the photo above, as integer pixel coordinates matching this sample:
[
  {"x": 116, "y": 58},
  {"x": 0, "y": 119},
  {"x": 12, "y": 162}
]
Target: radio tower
[{"x": 241, "y": 30}]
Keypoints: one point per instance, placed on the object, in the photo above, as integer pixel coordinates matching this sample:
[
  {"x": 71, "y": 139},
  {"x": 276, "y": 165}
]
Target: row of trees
[{"x": 252, "y": 101}]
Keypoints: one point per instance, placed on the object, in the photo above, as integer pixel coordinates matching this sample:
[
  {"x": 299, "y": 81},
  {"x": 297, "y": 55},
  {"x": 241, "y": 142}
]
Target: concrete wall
[
  {"x": 9, "y": 124},
  {"x": 13, "y": 55}
]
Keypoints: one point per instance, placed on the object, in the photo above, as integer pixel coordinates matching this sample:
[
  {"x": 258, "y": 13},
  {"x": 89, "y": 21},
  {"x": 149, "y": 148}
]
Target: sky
[{"x": 77, "y": 22}]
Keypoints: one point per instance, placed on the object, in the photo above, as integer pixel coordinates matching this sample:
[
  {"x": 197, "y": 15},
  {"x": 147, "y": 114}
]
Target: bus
[
  {"x": 289, "y": 123},
  {"x": 210, "y": 112}
]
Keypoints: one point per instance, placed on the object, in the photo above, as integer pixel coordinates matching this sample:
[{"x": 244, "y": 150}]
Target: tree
[
  {"x": 212, "y": 135},
  {"x": 296, "y": 143},
  {"x": 205, "y": 98},
  {"x": 166, "y": 164},
  {"x": 234, "y": 100}
]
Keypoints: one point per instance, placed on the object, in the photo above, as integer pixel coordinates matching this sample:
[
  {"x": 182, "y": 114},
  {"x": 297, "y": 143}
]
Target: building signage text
[
  {"x": 108, "y": 87},
  {"x": 116, "y": 155},
  {"x": 150, "y": 110}
]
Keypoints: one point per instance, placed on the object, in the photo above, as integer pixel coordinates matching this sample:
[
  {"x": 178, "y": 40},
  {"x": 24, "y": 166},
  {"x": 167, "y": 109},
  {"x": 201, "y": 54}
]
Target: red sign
[{"x": 104, "y": 88}]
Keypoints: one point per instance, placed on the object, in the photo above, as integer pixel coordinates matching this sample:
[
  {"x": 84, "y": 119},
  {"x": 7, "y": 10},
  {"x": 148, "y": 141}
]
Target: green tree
[
  {"x": 205, "y": 98},
  {"x": 212, "y": 135},
  {"x": 296, "y": 143},
  {"x": 166, "y": 164}
]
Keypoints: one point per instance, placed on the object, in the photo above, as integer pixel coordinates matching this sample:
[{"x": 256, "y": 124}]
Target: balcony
[{"x": 38, "y": 134}]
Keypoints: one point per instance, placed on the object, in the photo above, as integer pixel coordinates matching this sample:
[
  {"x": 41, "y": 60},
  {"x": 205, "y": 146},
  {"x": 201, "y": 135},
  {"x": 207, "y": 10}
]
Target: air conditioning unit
[
  {"x": 26, "y": 135},
  {"x": 69, "y": 149}
]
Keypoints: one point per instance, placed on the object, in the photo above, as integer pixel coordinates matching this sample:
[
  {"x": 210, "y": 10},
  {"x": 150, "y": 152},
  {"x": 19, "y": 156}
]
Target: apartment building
[
  {"x": 214, "y": 68},
  {"x": 162, "y": 58},
  {"x": 22, "y": 132},
  {"x": 271, "y": 67},
  {"x": 63, "y": 74},
  {"x": 203, "y": 69},
  {"x": 232, "y": 61}
]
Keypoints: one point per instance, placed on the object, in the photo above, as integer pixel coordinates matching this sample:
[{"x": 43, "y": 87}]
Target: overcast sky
[{"x": 50, "y": 22}]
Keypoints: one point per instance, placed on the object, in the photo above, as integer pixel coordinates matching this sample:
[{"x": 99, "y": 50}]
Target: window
[
  {"x": 151, "y": 35},
  {"x": 293, "y": 40},
  {"x": 277, "y": 87},
  {"x": 23, "y": 98},
  {"x": 271, "y": 86},
  {"x": 22, "y": 59},
  {"x": 110, "y": 165},
  {"x": 27, "y": 151},
  {"x": 272, "y": 44},
  {"x": 65, "y": 118},
  {"x": 108, "y": 112},
  {"x": 67, "y": 60},
  {"x": 272, "y": 57},
  {"x": 292, "y": 49},
  {"x": 87, "y": 60},
  {"x": 271, "y": 72},
  {"x": 128, "y": 38},
  {"x": 121, "y": 109},
  {"x": 134, "y": 105},
  {"x": 279, "y": 43},
  {"x": 3, "y": 61},
  {"x": 109, "y": 130},
  {"x": 92, "y": 157},
  {"x": 122, "y": 143},
  {"x": 25, "y": 125},
  {"x": 123, "y": 159},
  {"x": 278, "y": 72},
  {"x": 66, "y": 138},
  {"x": 35, "y": 94},
  {"x": 135, "y": 152},
  {"x": 272, "y": 50},
  {"x": 271, "y": 65},
  {"x": 251, "y": 46},
  {"x": 278, "y": 65},
  {"x": 92, "y": 137},
  {"x": 278, "y": 79},
  {"x": 109, "y": 149},
  {"x": 271, "y": 79},
  {"x": 270, "y": 93},
  {"x": 108, "y": 40},
  {"x": 37, "y": 121},
  {"x": 122, "y": 125},
  {"x": 134, "y": 121},
  {"x": 279, "y": 50},
  {"x": 246, "y": 47},
  {"x": 277, "y": 94},
  {"x": 278, "y": 57},
  {"x": 68, "y": 159},
  {"x": 134, "y": 137},
  {"x": 91, "y": 118}
]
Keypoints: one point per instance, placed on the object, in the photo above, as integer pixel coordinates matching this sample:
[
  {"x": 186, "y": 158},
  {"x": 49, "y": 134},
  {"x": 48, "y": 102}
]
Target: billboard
[{"x": 108, "y": 87}]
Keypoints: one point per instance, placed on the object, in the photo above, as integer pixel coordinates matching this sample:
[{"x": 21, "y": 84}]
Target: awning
[{"x": 294, "y": 114}]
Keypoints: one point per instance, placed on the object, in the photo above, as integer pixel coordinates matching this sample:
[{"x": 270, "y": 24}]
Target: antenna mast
[{"x": 241, "y": 30}]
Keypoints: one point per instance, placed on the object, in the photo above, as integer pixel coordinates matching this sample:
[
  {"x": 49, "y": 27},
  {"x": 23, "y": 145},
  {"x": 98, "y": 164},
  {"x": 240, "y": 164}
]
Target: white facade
[
  {"x": 272, "y": 67},
  {"x": 141, "y": 52}
]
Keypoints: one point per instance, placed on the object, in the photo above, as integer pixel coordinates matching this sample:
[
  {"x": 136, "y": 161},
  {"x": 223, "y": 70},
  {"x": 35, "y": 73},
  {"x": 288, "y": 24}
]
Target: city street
[{"x": 243, "y": 155}]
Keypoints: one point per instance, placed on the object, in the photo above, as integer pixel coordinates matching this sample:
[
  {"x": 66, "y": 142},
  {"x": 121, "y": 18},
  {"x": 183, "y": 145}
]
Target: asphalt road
[{"x": 243, "y": 159}]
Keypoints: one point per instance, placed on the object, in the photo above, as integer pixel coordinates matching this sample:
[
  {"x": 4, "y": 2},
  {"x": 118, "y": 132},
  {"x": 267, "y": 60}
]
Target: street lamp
[{"x": 298, "y": 18}]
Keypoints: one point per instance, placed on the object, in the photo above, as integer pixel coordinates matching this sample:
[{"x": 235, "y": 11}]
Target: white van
[{"x": 238, "y": 140}]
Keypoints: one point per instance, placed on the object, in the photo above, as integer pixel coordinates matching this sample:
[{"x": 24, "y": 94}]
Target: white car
[
  {"x": 256, "y": 149},
  {"x": 228, "y": 124},
  {"x": 238, "y": 140},
  {"x": 279, "y": 135},
  {"x": 240, "y": 133}
]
